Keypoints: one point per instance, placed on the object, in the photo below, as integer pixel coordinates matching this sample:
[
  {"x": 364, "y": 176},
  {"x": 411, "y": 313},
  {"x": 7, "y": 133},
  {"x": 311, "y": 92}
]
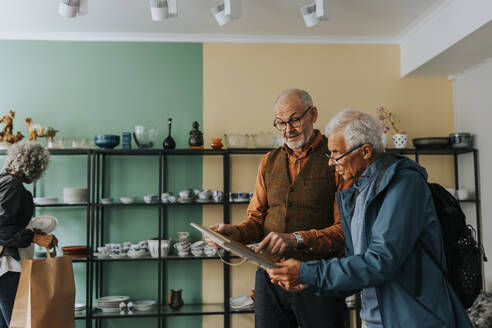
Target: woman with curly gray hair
[{"x": 25, "y": 163}]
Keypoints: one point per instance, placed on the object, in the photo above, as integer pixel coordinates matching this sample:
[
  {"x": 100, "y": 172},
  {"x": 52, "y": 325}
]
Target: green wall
[{"x": 88, "y": 88}]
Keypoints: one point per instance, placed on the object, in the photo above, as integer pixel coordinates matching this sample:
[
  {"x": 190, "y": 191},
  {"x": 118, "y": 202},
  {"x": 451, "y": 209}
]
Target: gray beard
[{"x": 300, "y": 143}]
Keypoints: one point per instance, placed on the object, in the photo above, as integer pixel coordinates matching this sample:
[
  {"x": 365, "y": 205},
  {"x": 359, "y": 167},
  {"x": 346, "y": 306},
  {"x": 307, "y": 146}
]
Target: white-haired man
[
  {"x": 292, "y": 214},
  {"x": 386, "y": 216}
]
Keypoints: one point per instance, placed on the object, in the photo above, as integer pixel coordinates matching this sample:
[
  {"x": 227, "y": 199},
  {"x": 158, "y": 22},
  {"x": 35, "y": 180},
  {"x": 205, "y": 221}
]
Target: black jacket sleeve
[{"x": 12, "y": 233}]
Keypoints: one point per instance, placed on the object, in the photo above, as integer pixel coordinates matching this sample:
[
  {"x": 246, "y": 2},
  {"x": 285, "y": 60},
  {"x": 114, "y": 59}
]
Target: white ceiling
[
  {"x": 351, "y": 20},
  {"x": 465, "y": 54}
]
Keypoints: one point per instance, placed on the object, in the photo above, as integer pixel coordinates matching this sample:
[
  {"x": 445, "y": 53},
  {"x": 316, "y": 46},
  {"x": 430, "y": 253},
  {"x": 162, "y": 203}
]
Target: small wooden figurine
[
  {"x": 36, "y": 130},
  {"x": 6, "y": 134}
]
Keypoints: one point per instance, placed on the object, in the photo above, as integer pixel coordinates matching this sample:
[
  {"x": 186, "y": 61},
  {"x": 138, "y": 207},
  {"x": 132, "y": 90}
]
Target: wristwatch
[{"x": 299, "y": 239}]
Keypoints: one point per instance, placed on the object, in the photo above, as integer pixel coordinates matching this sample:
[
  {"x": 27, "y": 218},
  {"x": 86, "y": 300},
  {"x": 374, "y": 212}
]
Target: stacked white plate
[
  {"x": 137, "y": 254},
  {"x": 186, "y": 200},
  {"x": 75, "y": 195},
  {"x": 110, "y": 303},
  {"x": 241, "y": 302},
  {"x": 80, "y": 307},
  {"x": 45, "y": 200}
]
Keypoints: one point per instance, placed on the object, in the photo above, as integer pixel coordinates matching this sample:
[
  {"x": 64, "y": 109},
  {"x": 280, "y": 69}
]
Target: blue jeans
[
  {"x": 8, "y": 289},
  {"x": 277, "y": 308}
]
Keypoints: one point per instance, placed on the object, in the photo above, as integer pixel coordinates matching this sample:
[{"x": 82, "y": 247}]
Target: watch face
[{"x": 300, "y": 241}]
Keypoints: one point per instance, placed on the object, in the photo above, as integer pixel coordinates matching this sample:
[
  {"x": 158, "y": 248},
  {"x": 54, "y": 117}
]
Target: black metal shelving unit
[
  {"x": 99, "y": 180},
  {"x": 96, "y": 181}
]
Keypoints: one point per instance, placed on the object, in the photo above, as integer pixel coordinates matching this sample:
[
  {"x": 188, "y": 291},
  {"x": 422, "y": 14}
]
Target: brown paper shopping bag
[{"x": 45, "y": 295}]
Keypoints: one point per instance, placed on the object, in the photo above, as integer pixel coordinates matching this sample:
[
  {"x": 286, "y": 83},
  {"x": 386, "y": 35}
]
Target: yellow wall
[{"x": 241, "y": 81}]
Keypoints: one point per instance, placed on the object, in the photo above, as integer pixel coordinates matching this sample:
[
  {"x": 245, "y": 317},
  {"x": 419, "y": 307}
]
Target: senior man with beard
[
  {"x": 392, "y": 233},
  {"x": 292, "y": 214}
]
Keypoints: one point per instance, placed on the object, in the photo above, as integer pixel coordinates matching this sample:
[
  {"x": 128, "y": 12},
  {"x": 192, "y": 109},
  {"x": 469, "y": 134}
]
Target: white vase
[{"x": 400, "y": 140}]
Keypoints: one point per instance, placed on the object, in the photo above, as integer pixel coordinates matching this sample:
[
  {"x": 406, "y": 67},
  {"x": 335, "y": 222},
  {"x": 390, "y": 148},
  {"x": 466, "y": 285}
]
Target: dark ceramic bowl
[
  {"x": 431, "y": 143},
  {"x": 460, "y": 140},
  {"x": 107, "y": 141}
]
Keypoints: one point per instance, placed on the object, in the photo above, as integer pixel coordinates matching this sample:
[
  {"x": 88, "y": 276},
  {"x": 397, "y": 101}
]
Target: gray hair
[
  {"x": 357, "y": 128},
  {"x": 28, "y": 160},
  {"x": 303, "y": 96}
]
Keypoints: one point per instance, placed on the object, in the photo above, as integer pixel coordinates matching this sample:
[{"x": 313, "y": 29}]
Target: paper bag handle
[{"x": 52, "y": 253}]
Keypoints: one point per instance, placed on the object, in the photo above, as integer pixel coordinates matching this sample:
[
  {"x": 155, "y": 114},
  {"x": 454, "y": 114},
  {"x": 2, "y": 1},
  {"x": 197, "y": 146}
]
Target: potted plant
[{"x": 400, "y": 138}]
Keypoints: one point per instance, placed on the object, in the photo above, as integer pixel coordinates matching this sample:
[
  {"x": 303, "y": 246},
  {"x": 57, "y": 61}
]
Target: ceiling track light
[
  {"x": 315, "y": 12},
  {"x": 173, "y": 8},
  {"x": 159, "y": 10},
  {"x": 163, "y": 9},
  {"x": 72, "y": 8},
  {"x": 226, "y": 10}
]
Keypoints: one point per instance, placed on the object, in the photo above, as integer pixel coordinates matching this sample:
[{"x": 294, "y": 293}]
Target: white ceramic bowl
[
  {"x": 151, "y": 199},
  {"x": 104, "y": 250},
  {"x": 75, "y": 195},
  {"x": 198, "y": 244},
  {"x": 197, "y": 251},
  {"x": 106, "y": 200},
  {"x": 462, "y": 194},
  {"x": 183, "y": 253},
  {"x": 128, "y": 200},
  {"x": 144, "y": 305},
  {"x": 452, "y": 191}
]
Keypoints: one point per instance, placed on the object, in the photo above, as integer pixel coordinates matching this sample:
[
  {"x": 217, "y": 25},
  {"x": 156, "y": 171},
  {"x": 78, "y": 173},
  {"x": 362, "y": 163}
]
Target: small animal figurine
[
  {"x": 6, "y": 134},
  {"x": 33, "y": 134},
  {"x": 36, "y": 130}
]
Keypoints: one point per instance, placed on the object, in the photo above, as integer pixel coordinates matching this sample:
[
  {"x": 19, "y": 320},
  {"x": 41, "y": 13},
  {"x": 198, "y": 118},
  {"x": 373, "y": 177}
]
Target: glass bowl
[
  {"x": 144, "y": 136},
  {"x": 236, "y": 140}
]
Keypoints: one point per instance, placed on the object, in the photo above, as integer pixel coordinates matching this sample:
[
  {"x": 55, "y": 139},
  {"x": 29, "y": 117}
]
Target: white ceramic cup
[
  {"x": 209, "y": 250},
  {"x": 182, "y": 246},
  {"x": 104, "y": 250},
  {"x": 183, "y": 235},
  {"x": 164, "y": 249},
  {"x": 197, "y": 251},
  {"x": 462, "y": 194},
  {"x": 153, "y": 247}
]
